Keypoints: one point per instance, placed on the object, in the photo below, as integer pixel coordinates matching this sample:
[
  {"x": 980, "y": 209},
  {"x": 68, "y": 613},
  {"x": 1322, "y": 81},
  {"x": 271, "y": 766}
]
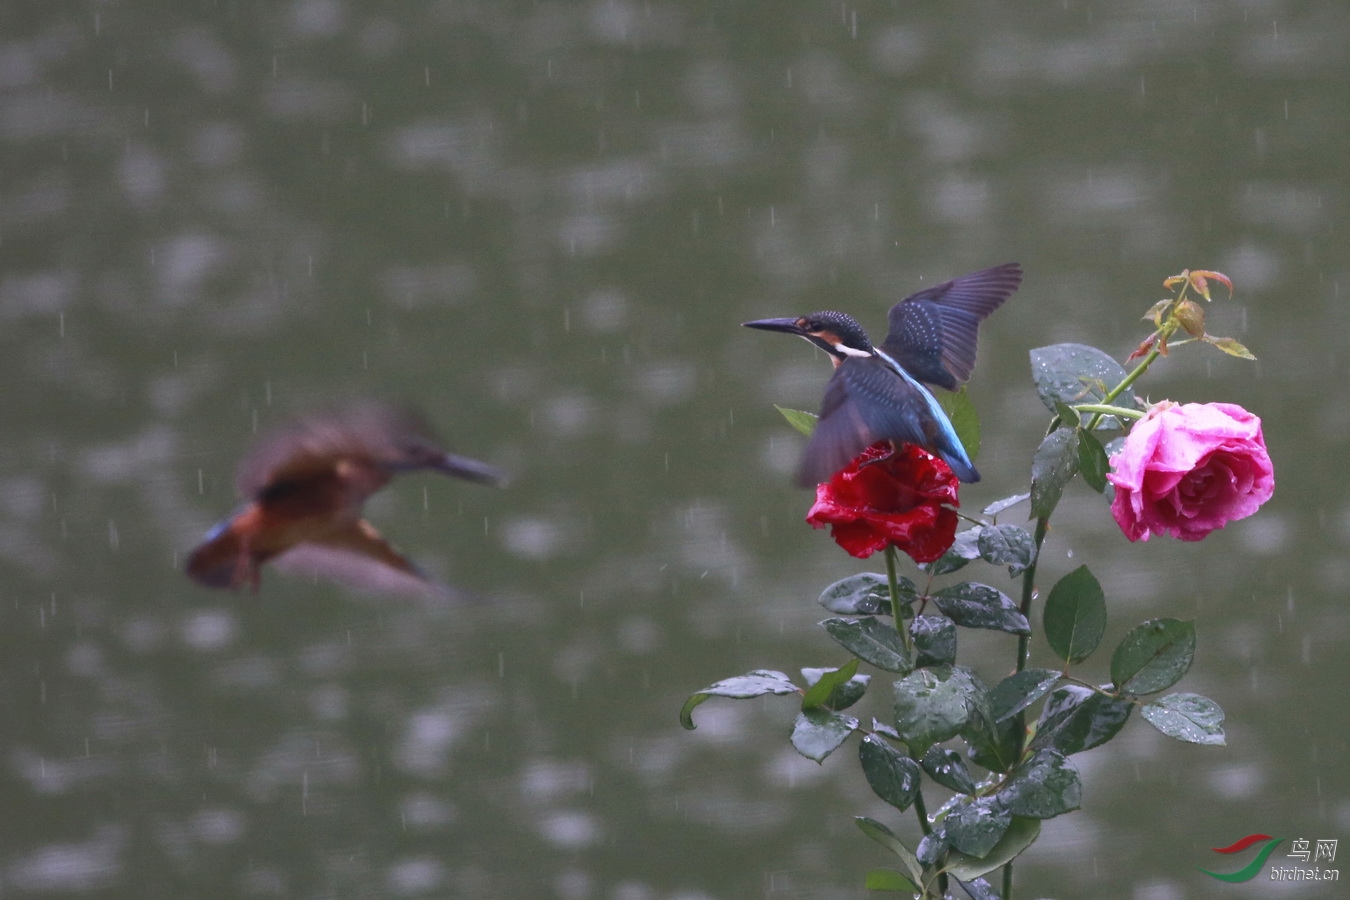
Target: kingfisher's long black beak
[
  {"x": 472, "y": 470},
  {"x": 787, "y": 326}
]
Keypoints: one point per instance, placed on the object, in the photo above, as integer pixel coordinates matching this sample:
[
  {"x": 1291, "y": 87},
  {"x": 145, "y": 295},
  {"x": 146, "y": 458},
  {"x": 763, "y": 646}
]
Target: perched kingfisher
[
  {"x": 880, "y": 393},
  {"x": 304, "y": 489}
]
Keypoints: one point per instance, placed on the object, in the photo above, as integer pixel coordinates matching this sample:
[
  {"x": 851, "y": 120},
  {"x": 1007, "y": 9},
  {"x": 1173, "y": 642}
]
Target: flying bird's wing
[
  {"x": 363, "y": 444},
  {"x": 865, "y": 402},
  {"x": 358, "y": 556},
  {"x": 315, "y": 445},
  {"x": 934, "y": 334}
]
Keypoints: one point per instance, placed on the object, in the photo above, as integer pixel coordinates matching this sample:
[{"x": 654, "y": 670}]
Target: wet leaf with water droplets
[
  {"x": 975, "y": 828},
  {"x": 1187, "y": 717},
  {"x": 818, "y": 732}
]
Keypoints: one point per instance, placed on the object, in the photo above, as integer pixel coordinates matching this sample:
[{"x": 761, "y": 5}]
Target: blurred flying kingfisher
[
  {"x": 304, "y": 489},
  {"x": 880, "y": 393}
]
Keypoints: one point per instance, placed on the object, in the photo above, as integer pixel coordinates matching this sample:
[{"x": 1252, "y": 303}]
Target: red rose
[
  {"x": 900, "y": 501},
  {"x": 1186, "y": 470}
]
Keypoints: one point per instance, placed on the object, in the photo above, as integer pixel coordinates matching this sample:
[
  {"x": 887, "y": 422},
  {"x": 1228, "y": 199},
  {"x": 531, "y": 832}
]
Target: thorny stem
[
  {"x": 1104, "y": 409},
  {"x": 1028, "y": 595},
  {"x": 922, "y": 812},
  {"x": 1129, "y": 379},
  {"x": 893, "y": 582},
  {"x": 1023, "y": 656}
]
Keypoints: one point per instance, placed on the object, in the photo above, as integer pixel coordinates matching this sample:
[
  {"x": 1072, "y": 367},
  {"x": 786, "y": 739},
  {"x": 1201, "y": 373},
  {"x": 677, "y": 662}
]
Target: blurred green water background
[{"x": 542, "y": 223}]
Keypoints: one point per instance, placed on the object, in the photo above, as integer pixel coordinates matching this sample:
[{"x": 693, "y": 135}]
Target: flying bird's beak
[
  {"x": 788, "y": 326},
  {"x": 472, "y": 470}
]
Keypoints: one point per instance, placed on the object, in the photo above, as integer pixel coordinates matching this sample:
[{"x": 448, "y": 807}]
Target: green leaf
[
  {"x": 1077, "y": 718},
  {"x": 981, "y": 606},
  {"x": 1007, "y": 545},
  {"x": 865, "y": 594},
  {"x": 894, "y": 777},
  {"x": 818, "y": 732},
  {"x": 889, "y": 880},
  {"x": 1153, "y": 656},
  {"x": 1018, "y": 691},
  {"x": 964, "y": 549},
  {"x": 804, "y": 422},
  {"x": 999, "y": 506},
  {"x": 881, "y": 727},
  {"x": 974, "y": 828},
  {"x": 1068, "y": 416},
  {"x": 997, "y": 747},
  {"x": 1092, "y": 461},
  {"x": 934, "y": 846},
  {"x": 1045, "y": 786},
  {"x": 758, "y": 682},
  {"x": 886, "y": 838},
  {"x": 1021, "y": 834},
  {"x": 846, "y": 694},
  {"x": 871, "y": 640},
  {"x": 1230, "y": 346},
  {"x": 1052, "y": 467},
  {"x": 934, "y": 704},
  {"x": 1074, "y": 373},
  {"x": 827, "y": 682},
  {"x": 978, "y": 889},
  {"x": 961, "y": 412},
  {"x": 1187, "y": 717},
  {"x": 948, "y": 769},
  {"x": 1075, "y": 616},
  {"x": 934, "y": 640}
]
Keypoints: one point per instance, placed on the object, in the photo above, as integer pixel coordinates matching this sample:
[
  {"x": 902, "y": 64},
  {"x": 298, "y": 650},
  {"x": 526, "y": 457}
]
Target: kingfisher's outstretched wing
[
  {"x": 934, "y": 334},
  {"x": 867, "y": 401},
  {"x": 360, "y": 557}
]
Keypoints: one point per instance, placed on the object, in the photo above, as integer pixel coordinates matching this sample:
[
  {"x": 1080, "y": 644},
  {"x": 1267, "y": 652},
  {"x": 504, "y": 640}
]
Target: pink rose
[{"x": 1188, "y": 469}]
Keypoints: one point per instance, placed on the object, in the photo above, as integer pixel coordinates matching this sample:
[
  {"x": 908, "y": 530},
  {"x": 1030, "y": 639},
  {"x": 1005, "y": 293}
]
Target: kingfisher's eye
[{"x": 808, "y": 325}]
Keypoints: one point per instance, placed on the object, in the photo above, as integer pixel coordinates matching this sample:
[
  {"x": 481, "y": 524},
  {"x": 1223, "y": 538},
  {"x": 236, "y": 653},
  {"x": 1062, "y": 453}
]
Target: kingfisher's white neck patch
[{"x": 850, "y": 351}]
